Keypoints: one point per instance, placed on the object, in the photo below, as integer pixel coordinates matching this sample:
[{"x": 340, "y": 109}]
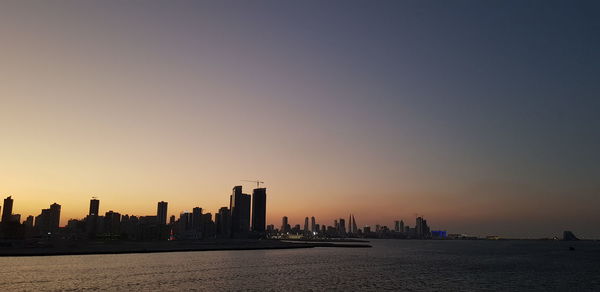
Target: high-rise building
[
  {"x": 7, "y": 212},
  {"x": 313, "y": 225},
  {"x": 401, "y": 227},
  {"x": 354, "y": 228},
  {"x": 112, "y": 222},
  {"x": 397, "y": 226},
  {"x": 239, "y": 204},
  {"x": 54, "y": 217},
  {"x": 161, "y": 213},
  {"x": 223, "y": 222},
  {"x": 48, "y": 221},
  {"x": 94, "y": 207},
  {"x": 306, "y": 230},
  {"x": 421, "y": 228},
  {"x": 285, "y": 226},
  {"x": 342, "y": 226},
  {"x": 259, "y": 209},
  {"x": 197, "y": 219}
]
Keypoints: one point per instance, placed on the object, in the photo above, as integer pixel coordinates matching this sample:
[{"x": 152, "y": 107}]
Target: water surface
[{"x": 390, "y": 265}]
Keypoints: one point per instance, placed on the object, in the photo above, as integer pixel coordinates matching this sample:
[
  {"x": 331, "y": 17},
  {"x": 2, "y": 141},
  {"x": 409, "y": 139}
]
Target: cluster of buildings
[
  {"x": 340, "y": 229},
  {"x": 46, "y": 223},
  {"x": 245, "y": 217}
]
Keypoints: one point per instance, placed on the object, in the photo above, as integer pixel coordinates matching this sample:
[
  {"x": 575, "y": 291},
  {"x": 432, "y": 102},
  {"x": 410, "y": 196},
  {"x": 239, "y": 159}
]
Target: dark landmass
[
  {"x": 122, "y": 247},
  {"x": 326, "y": 240}
]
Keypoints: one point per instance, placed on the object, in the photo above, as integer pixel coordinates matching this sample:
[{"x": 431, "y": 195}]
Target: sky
[{"x": 481, "y": 116}]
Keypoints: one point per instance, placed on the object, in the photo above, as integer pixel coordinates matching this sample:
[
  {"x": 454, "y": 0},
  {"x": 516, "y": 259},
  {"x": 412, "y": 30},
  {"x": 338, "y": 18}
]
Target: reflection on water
[{"x": 390, "y": 264}]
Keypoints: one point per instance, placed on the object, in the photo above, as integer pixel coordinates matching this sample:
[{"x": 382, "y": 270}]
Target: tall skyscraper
[
  {"x": 239, "y": 204},
  {"x": 223, "y": 222},
  {"x": 313, "y": 224},
  {"x": 197, "y": 219},
  {"x": 342, "y": 226},
  {"x": 421, "y": 228},
  {"x": 7, "y": 211},
  {"x": 161, "y": 213},
  {"x": 397, "y": 226},
  {"x": 259, "y": 209},
  {"x": 306, "y": 230},
  {"x": 285, "y": 226},
  {"x": 94, "y": 207},
  {"x": 54, "y": 217}
]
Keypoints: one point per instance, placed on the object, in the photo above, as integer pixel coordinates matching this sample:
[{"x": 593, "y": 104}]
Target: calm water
[{"x": 389, "y": 265}]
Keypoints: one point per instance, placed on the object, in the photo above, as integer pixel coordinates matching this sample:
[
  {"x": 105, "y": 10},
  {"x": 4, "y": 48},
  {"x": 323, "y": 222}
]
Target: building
[
  {"x": 223, "y": 222},
  {"x": 421, "y": 228},
  {"x": 48, "y": 221},
  {"x": 306, "y": 230},
  {"x": 94, "y": 207},
  {"x": 239, "y": 205},
  {"x": 197, "y": 219},
  {"x": 112, "y": 223},
  {"x": 342, "y": 226},
  {"x": 313, "y": 225},
  {"x": 7, "y": 210},
  {"x": 259, "y": 209},
  {"x": 161, "y": 213},
  {"x": 285, "y": 226}
]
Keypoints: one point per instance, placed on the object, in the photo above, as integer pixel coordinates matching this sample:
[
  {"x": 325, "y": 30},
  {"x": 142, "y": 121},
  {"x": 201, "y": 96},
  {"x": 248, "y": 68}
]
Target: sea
[{"x": 397, "y": 265}]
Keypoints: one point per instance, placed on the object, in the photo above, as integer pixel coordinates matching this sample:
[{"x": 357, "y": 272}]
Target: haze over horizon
[{"x": 482, "y": 118}]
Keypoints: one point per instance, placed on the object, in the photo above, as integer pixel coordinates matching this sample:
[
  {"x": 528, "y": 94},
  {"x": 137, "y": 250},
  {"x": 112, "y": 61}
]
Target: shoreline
[{"x": 99, "y": 248}]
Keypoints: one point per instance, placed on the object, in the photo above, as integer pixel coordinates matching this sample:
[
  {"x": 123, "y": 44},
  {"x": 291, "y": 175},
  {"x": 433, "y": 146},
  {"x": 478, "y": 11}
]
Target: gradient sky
[{"x": 483, "y": 116}]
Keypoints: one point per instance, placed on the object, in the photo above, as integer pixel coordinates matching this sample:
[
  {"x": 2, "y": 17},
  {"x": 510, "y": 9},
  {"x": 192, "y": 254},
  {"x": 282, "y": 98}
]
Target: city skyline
[{"x": 483, "y": 117}]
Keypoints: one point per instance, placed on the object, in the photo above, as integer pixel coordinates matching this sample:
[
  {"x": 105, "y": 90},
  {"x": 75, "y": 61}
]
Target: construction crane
[{"x": 255, "y": 181}]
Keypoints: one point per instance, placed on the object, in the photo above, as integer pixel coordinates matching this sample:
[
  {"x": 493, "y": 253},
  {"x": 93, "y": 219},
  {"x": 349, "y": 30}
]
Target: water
[{"x": 389, "y": 265}]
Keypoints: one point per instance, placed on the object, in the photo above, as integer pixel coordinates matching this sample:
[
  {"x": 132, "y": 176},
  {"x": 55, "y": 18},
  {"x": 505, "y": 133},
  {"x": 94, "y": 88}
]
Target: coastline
[{"x": 123, "y": 247}]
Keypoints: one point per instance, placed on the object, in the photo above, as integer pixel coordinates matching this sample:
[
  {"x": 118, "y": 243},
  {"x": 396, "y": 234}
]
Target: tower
[
  {"x": 239, "y": 204},
  {"x": 7, "y": 212},
  {"x": 259, "y": 209},
  {"x": 94, "y": 207},
  {"x": 161, "y": 213}
]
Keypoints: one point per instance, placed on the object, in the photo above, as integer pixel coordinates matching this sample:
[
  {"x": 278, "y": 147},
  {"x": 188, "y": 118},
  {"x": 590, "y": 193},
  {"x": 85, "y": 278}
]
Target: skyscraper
[
  {"x": 197, "y": 219},
  {"x": 161, "y": 213},
  {"x": 285, "y": 227},
  {"x": 239, "y": 204},
  {"x": 306, "y": 225},
  {"x": 313, "y": 224},
  {"x": 223, "y": 222},
  {"x": 259, "y": 209},
  {"x": 421, "y": 228},
  {"x": 342, "y": 226},
  {"x": 7, "y": 211},
  {"x": 54, "y": 217},
  {"x": 94, "y": 206},
  {"x": 397, "y": 226}
]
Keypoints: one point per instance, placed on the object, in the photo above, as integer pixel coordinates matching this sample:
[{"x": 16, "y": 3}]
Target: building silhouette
[
  {"x": 48, "y": 221},
  {"x": 161, "y": 213},
  {"x": 285, "y": 226},
  {"x": 223, "y": 222},
  {"x": 259, "y": 209},
  {"x": 94, "y": 207},
  {"x": 313, "y": 225},
  {"x": 239, "y": 205},
  {"x": 7, "y": 210}
]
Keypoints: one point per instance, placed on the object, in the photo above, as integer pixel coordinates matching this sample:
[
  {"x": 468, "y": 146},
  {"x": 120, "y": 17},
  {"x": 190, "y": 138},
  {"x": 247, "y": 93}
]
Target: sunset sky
[{"x": 482, "y": 116}]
